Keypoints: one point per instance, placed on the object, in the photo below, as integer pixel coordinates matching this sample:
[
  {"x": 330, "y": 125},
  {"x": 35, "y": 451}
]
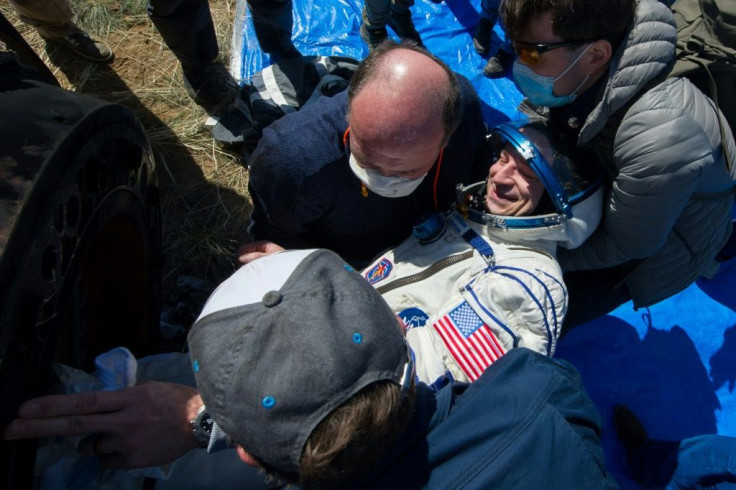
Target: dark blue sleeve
[
  {"x": 291, "y": 152},
  {"x": 526, "y": 423}
]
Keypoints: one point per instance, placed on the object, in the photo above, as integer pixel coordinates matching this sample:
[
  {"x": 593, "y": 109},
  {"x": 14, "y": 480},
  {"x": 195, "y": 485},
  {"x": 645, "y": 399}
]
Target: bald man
[{"x": 353, "y": 173}]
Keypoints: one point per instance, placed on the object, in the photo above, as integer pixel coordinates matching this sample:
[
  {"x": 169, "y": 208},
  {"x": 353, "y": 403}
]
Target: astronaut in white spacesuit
[{"x": 482, "y": 279}]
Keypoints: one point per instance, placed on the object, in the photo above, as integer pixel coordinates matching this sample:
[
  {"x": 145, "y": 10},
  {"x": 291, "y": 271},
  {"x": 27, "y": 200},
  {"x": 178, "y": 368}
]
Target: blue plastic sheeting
[
  {"x": 330, "y": 28},
  {"x": 674, "y": 364}
]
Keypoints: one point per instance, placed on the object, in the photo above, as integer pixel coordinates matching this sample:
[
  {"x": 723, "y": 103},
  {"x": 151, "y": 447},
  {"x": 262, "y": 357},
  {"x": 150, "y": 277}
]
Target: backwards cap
[{"x": 286, "y": 340}]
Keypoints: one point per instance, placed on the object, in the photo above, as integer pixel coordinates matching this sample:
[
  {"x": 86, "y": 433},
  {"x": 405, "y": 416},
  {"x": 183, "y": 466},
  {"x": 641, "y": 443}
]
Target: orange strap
[{"x": 436, "y": 180}]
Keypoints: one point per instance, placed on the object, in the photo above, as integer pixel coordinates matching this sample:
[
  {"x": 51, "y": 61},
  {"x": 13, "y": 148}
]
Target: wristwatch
[{"x": 202, "y": 427}]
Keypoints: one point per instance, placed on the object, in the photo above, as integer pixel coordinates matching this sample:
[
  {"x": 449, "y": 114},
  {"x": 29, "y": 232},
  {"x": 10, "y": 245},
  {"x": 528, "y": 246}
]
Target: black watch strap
[{"x": 202, "y": 427}]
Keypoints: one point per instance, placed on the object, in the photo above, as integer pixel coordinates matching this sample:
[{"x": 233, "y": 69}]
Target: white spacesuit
[{"x": 476, "y": 284}]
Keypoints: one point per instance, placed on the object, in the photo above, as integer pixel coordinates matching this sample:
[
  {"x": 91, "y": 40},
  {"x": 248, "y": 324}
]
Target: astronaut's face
[{"x": 513, "y": 188}]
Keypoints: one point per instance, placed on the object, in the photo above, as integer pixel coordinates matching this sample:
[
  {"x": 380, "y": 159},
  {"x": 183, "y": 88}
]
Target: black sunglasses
[{"x": 531, "y": 53}]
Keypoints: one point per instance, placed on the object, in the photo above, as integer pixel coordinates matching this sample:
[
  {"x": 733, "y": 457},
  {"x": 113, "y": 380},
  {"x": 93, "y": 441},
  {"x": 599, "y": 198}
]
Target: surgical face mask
[
  {"x": 382, "y": 185},
  {"x": 540, "y": 89}
]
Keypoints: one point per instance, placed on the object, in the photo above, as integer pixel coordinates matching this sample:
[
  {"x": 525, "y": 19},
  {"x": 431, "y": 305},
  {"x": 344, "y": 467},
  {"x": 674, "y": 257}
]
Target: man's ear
[
  {"x": 598, "y": 55},
  {"x": 245, "y": 456}
]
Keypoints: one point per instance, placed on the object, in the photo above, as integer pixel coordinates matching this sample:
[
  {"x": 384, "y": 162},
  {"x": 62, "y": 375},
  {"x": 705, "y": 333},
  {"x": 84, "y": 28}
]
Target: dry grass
[{"x": 205, "y": 206}]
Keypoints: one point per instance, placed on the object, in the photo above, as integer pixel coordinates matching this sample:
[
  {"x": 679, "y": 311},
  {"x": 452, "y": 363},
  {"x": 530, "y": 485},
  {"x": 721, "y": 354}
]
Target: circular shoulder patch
[{"x": 413, "y": 317}]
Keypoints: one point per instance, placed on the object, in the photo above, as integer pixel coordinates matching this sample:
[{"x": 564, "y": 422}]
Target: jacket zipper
[{"x": 429, "y": 271}]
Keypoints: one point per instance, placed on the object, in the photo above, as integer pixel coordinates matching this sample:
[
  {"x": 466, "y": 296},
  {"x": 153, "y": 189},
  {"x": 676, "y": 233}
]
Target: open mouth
[{"x": 503, "y": 194}]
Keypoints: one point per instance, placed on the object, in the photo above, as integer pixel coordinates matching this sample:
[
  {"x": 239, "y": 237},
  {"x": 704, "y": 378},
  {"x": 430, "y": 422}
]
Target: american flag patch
[{"x": 470, "y": 341}]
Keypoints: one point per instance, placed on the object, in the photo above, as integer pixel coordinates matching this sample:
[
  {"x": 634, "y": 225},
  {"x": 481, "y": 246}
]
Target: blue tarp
[
  {"x": 674, "y": 364},
  {"x": 330, "y": 28}
]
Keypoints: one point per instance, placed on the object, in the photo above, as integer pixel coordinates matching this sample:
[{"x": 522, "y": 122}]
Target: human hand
[
  {"x": 252, "y": 251},
  {"x": 146, "y": 425}
]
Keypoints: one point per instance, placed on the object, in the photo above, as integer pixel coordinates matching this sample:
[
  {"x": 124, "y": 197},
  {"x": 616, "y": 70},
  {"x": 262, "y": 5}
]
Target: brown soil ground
[{"x": 205, "y": 206}]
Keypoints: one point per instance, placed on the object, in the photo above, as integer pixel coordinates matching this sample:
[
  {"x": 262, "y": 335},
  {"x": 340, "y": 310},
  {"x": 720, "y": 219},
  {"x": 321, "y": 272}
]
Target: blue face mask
[{"x": 540, "y": 89}]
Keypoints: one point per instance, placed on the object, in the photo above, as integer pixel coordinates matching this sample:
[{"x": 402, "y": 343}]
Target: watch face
[
  {"x": 204, "y": 422},
  {"x": 202, "y": 427}
]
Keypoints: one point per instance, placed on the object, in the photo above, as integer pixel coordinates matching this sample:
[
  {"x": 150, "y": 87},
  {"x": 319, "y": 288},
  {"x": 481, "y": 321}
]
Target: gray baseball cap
[{"x": 286, "y": 340}]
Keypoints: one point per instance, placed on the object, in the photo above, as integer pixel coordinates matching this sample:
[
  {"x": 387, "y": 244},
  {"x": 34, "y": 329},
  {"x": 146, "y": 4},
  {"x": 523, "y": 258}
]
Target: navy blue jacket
[
  {"x": 305, "y": 195},
  {"x": 526, "y": 423}
]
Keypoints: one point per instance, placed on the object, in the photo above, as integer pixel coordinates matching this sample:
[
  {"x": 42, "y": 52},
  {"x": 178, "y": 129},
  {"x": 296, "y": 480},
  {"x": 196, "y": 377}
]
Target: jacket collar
[{"x": 648, "y": 49}]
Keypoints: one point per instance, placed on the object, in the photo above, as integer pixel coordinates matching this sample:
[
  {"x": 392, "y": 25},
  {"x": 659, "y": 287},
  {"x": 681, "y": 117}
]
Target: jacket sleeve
[
  {"x": 287, "y": 173},
  {"x": 660, "y": 151},
  {"x": 573, "y": 404},
  {"x": 525, "y": 299},
  {"x": 284, "y": 227},
  {"x": 283, "y": 207}
]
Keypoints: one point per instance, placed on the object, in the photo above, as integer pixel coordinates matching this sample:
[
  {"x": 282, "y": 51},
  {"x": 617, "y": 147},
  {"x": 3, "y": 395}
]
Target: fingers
[
  {"x": 258, "y": 246},
  {"x": 243, "y": 249},
  {"x": 65, "y": 415},
  {"x": 250, "y": 257},
  {"x": 252, "y": 251},
  {"x": 75, "y": 404},
  {"x": 146, "y": 425},
  {"x": 67, "y": 426}
]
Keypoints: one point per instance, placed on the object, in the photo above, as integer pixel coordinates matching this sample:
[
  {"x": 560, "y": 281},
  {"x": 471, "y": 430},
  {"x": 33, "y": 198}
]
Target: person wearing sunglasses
[
  {"x": 599, "y": 67},
  {"x": 481, "y": 279}
]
